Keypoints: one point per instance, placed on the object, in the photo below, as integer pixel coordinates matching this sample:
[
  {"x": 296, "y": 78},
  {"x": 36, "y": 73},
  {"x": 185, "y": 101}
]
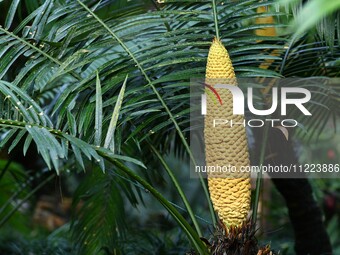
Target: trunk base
[{"x": 235, "y": 241}]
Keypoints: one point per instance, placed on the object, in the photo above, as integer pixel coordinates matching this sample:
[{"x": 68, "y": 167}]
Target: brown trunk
[{"x": 305, "y": 215}]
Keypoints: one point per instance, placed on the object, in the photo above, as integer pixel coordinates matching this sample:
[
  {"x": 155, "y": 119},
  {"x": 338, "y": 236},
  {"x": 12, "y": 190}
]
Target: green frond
[{"x": 99, "y": 218}]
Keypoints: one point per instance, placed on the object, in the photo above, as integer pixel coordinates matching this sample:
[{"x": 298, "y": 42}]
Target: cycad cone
[{"x": 225, "y": 145}]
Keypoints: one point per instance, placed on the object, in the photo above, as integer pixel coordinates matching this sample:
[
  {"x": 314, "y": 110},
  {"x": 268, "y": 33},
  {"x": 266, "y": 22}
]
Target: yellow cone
[{"x": 225, "y": 145}]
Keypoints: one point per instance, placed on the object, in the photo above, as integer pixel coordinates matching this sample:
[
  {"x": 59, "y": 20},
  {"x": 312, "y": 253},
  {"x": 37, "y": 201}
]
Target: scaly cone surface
[{"x": 225, "y": 145}]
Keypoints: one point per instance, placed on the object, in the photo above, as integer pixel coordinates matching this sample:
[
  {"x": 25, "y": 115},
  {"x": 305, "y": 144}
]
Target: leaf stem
[
  {"x": 259, "y": 175},
  {"x": 44, "y": 182},
  {"x": 75, "y": 75},
  {"x": 215, "y": 13},
  {"x": 3, "y": 171},
  {"x": 178, "y": 188}
]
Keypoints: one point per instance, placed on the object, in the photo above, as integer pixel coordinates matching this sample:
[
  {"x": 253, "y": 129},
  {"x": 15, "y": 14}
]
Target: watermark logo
[
  {"x": 238, "y": 100},
  {"x": 288, "y": 96}
]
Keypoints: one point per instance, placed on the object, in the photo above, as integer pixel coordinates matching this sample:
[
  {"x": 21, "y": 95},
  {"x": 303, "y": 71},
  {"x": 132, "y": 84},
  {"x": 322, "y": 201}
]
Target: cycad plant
[{"x": 103, "y": 86}]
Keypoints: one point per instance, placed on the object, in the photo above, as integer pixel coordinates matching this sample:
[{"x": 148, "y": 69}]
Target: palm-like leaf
[
  {"x": 54, "y": 144},
  {"x": 160, "y": 53}
]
